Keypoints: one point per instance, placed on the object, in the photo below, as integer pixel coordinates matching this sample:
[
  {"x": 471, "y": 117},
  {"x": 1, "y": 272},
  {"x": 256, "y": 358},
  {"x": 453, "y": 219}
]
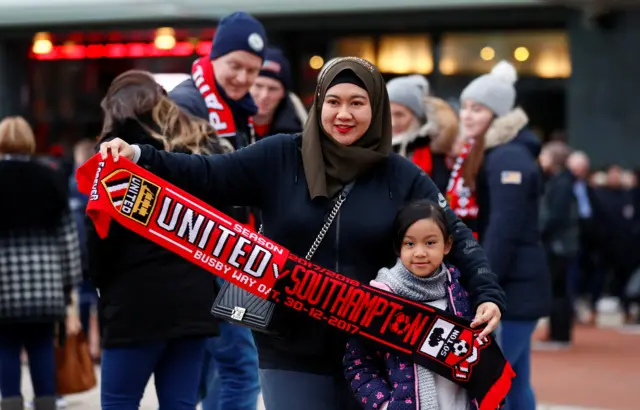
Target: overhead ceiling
[{"x": 33, "y": 12}]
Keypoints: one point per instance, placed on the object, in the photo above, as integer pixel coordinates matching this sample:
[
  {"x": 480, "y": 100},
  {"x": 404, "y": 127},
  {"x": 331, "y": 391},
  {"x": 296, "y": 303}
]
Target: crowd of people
[{"x": 463, "y": 210}]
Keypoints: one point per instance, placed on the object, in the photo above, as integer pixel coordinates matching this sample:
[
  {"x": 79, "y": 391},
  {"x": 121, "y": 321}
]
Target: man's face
[
  {"x": 236, "y": 72},
  {"x": 267, "y": 93}
]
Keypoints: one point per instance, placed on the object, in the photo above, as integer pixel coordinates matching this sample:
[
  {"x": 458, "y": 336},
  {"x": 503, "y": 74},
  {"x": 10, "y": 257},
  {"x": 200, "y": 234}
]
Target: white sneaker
[{"x": 61, "y": 403}]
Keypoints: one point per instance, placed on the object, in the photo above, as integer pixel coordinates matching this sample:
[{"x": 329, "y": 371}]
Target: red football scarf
[
  {"x": 462, "y": 201},
  {"x": 422, "y": 158},
  {"x": 220, "y": 115},
  {"x": 168, "y": 216}
]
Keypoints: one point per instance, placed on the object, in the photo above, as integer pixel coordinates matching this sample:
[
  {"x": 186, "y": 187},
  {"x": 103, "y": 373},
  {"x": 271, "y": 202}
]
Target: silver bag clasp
[{"x": 238, "y": 313}]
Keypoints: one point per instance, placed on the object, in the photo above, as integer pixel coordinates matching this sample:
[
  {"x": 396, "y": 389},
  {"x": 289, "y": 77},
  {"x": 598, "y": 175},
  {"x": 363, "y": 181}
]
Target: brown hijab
[{"x": 328, "y": 165}]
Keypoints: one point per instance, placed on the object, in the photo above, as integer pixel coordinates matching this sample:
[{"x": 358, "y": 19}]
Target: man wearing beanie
[
  {"x": 279, "y": 110},
  {"x": 218, "y": 91},
  {"x": 496, "y": 186},
  {"x": 426, "y": 144}
]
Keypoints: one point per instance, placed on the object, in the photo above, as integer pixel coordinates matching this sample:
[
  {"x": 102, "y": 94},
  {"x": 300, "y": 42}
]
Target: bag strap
[{"x": 330, "y": 217}]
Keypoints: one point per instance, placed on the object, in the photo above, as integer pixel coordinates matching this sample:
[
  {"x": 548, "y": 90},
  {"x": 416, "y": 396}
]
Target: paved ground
[{"x": 600, "y": 372}]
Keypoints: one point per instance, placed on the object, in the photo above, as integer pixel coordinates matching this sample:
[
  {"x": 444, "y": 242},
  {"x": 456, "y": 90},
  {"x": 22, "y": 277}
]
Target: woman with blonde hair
[
  {"x": 154, "y": 306},
  {"x": 39, "y": 265},
  {"x": 495, "y": 187}
]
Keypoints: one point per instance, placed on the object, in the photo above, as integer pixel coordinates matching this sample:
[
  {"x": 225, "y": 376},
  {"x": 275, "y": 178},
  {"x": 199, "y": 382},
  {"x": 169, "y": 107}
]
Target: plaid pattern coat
[
  {"x": 38, "y": 269},
  {"x": 39, "y": 248}
]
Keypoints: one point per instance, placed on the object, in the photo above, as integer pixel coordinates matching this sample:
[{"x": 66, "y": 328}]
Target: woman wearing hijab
[{"x": 347, "y": 138}]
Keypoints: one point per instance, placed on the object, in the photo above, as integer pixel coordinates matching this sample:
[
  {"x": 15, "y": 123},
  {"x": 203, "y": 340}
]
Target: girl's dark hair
[{"x": 414, "y": 212}]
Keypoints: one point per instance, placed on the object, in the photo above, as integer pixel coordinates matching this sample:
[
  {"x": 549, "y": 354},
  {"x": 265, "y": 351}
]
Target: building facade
[{"x": 575, "y": 69}]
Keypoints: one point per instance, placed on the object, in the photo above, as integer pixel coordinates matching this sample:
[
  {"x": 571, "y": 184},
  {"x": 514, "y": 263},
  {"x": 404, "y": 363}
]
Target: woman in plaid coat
[{"x": 39, "y": 265}]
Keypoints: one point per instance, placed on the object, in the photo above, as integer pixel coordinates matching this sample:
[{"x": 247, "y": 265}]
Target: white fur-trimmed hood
[
  {"x": 506, "y": 128},
  {"x": 441, "y": 127}
]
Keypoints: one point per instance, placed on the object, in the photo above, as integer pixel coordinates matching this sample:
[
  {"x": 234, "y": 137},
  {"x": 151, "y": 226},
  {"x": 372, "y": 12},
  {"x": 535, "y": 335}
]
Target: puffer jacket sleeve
[
  {"x": 237, "y": 178},
  {"x": 365, "y": 375}
]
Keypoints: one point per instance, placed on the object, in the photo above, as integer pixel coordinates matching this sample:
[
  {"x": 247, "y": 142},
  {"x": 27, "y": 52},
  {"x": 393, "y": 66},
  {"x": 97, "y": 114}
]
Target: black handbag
[{"x": 236, "y": 305}]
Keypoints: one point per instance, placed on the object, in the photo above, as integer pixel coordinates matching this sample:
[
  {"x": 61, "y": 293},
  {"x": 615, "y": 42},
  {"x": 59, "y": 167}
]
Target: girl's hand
[
  {"x": 118, "y": 148},
  {"x": 487, "y": 312}
]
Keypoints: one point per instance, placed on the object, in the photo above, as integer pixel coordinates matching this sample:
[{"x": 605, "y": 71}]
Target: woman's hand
[
  {"x": 118, "y": 148},
  {"x": 73, "y": 325},
  {"x": 487, "y": 312}
]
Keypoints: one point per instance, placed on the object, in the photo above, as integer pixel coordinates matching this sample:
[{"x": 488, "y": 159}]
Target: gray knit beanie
[
  {"x": 410, "y": 91},
  {"x": 494, "y": 90}
]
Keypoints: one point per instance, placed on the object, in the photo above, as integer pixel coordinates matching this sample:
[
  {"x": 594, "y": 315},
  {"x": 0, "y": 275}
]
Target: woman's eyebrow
[{"x": 350, "y": 97}]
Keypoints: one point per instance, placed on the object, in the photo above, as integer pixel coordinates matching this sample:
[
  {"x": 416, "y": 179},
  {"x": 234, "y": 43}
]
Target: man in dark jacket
[
  {"x": 279, "y": 112},
  {"x": 587, "y": 268},
  {"x": 560, "y": 231},
  {"x": 219, "y": 92},
  {"x": 236, "y": 57}
]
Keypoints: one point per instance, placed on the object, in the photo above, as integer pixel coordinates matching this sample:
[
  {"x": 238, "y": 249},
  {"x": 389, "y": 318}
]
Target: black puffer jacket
[{"x": 357, "y": 245}]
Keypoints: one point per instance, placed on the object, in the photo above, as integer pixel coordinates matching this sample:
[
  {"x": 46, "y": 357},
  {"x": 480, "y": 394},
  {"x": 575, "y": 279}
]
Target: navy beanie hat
[
  {"x": 276, "y": 66},
  {"x": 239, "y": 31}
]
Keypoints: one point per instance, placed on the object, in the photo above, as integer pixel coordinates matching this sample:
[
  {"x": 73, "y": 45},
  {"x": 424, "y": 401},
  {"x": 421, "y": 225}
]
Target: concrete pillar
[
  {"x": 13, "y": 78},
  {"x": 603, "y": 95}
]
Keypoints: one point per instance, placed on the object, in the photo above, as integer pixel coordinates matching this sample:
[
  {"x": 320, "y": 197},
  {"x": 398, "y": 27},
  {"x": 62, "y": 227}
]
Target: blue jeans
[
  {"x": 515, "y": 341},
  {"x": 230, "y": 375},
  {"x": 176, "y": 366},
  {"x": 285, "y": 389},
  {"x": 37, "y": 340},
  {"x": 87, "y": 299}
]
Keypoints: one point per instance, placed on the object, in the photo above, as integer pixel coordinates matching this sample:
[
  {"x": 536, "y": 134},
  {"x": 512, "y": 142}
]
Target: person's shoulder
[
  {"x": 403, "y": 167},
  {"x": 281, "y": 139},
  {"x": 403, "y": 172},
  {"x": 279, "y": 147},
  {"x": 186, "y": 88},
  {"x": 187, "y": 96},
  {"x": 511, "y": 155}
]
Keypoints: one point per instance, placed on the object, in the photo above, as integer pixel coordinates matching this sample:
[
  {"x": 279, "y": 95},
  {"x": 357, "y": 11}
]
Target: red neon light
[
  {"x": 92, "y": 51},
  {"x": 122, "y": 50}
]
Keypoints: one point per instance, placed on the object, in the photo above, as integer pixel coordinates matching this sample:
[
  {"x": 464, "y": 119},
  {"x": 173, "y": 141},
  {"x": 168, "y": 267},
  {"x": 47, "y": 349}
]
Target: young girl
[{"x": 383, "y": 380}]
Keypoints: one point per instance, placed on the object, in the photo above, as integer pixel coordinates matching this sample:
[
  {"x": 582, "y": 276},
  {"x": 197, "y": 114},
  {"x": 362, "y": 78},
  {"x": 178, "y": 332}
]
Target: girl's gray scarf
[{"x": 425, "y": 290}]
